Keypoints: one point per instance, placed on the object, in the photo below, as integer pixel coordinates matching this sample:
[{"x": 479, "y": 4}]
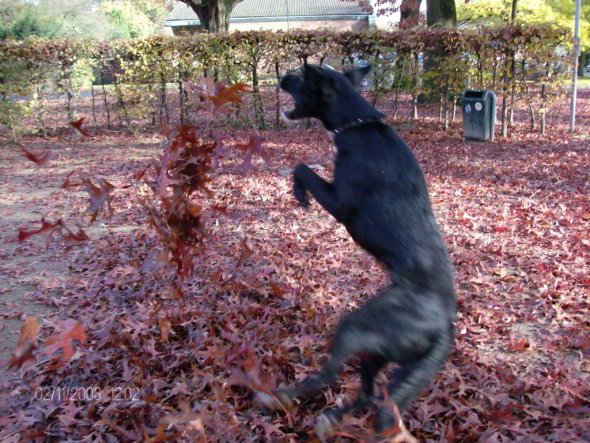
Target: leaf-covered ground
[{"x": 273, "y": 280}]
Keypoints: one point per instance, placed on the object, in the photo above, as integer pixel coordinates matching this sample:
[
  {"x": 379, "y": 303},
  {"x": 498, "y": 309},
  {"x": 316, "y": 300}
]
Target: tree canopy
[
  {"x": 94, "y": 19},
  {"x": 558, "y": 12}
]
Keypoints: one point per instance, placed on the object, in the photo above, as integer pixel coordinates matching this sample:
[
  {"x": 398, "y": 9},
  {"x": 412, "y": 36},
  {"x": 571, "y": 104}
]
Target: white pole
[
  {"x": 288, "y": 18},
  {"x": 577, "y": 52}
]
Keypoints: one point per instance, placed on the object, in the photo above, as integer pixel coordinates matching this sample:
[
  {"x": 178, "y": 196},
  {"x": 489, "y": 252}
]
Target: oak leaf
[
  {"x": 40, "y": 160},
  {"x": 99, "y": 195},
  {"x": 27, "y": 343},
  {"x": 70, "y": 330},
  {"x": 253, "y": 146},
  {"x": 78, "y": 125},
  {"x": 47, "y": 230}
]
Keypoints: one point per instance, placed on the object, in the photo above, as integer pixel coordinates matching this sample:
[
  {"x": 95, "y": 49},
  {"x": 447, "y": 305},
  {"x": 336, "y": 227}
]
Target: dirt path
[
  {"x": 33, "y": 278},
  {"x": 27, "y": 270}
]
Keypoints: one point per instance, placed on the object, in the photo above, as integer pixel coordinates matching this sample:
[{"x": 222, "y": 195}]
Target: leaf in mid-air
[
  {"x": 78, "y": 125},
  {"x": 67, "y": 183},
  {"x": 47, "y": 230},
  {"x": 225, "y": 95},
  {"x": 253, "y": 146},
  {"x": 40, "y": 160},
  {"x": 78, "y": 236},
  {"x": 70, "y": 330},
  {"x": 99, "y": 195},
  {"x": 27, "y": 343}
]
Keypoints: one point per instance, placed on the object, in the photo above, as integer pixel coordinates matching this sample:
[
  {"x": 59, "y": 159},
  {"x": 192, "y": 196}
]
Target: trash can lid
[{"x": 472, "y": 93}]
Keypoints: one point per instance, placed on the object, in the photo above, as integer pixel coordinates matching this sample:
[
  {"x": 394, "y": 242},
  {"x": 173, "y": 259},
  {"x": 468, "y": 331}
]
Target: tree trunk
[
  {"x": 445, "y": 98},
  {"x": 409, "y": 13},
  {"x": 528, "y": 97},
  {"x": 514, "y": 9},
  {"x": 504, "y": 113},
  {"x": 93, "y": 105},
  {"x": 258, "y": 105},
  {"x": 69, "y": 95},
  {"x": 181, "y": 101},
  {"x": 543, "y": 108},
  {"x": 39, "y": 109},
  {"x": 277, "y": 96},
  {"x": 512, "y": 96},
  {"x": 106, "y": 103},
  {"x": 441, "y": 13},
  {"x": 122, "y": 107},
  {"x": 219, "y": 20},
  {"x": 69, "y": 107},
  {"x": 399, "y": 75},
  {"x": 582, "y": 63},
  {"x": 213, "y": 14}
]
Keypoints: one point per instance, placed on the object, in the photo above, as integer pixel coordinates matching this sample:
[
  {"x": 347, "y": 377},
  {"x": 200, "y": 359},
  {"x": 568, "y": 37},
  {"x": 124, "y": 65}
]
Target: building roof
[
  {"x": 246, "y": 10},
  {"x": 182, "y": 12},
  {"x": 303, "y": 8}
]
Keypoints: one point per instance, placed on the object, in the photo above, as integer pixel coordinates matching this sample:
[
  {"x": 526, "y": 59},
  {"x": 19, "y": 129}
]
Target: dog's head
[{"x": 326, "y": 94}]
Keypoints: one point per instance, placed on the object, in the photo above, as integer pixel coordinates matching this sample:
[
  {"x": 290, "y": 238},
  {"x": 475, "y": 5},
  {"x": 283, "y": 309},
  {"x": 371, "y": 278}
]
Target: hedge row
[{"x": 511, "y": 60}]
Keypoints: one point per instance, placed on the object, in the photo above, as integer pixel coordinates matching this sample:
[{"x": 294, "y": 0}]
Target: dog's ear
[
  {"x": 317, "y": 80},
  {"x": 313, "y": 73},
  {"x": 356, "y": 75}
]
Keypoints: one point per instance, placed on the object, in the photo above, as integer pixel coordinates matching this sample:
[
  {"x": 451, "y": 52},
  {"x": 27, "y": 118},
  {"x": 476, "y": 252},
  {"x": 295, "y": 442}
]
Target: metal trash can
[{"x": 479, "y": 115}]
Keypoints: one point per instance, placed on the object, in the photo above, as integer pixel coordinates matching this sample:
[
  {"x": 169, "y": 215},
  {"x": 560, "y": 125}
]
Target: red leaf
[
  {"x": 219, "y": 209},
  {"x": 40, "y": 160},
  {"x": 165, "y": 326},
  {"x": 47, "y": 230},
  {"x": 78, "y": 125},
  {"x": 67, "y": 184},
  {"x": 245, "y": 252},
  {"x": 225, "y": 95},
  {"x": 99, "y": 195},
  {"x": 17, "y": 360},
  {"x": 80, "y": 235},
  {"x": 23, "y": 353},
  {"x": 519, "y": 346},
  {"x": 71, "y": 330},
  {"x": 254, "y": 146},
  {"x": 140, "y": 174},
  {"x": 398, "y": 433}
]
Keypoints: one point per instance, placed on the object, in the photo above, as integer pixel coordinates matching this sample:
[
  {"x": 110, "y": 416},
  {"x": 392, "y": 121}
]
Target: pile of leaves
[{"x": 127, "y": 359}]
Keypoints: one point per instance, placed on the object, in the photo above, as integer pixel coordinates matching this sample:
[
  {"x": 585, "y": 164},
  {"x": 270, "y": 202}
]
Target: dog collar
[{"x": 356, "y": 123}]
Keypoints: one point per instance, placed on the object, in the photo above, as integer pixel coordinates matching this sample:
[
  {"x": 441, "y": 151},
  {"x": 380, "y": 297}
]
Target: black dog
[{"x": 380, "y": 195}]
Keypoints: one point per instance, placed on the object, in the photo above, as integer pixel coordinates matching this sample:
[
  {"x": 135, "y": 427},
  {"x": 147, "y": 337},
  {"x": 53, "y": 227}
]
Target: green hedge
[{"x": 511, "y": 60}]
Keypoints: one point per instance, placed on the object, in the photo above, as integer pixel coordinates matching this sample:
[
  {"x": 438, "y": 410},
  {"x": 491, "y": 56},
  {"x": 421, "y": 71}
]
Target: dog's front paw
[
  {"x": 299, "y": 189},
  {"x": 301, "y": 195}
]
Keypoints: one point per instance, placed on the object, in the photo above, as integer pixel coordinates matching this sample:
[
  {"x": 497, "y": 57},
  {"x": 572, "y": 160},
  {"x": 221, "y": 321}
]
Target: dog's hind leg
[
  {"x": 351, "y": 338},
  {"x": 410, "y": 378},
  {"x": 370, "y": 367}
]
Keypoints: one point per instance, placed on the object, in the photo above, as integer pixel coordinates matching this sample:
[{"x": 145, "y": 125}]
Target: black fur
[{"x": 380, "y": 195}]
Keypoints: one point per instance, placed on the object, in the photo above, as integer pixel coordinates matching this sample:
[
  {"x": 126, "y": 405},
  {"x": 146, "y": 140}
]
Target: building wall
[
  {"x": 186, "y": 30},
  {"x": 336, "y": 25}
]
